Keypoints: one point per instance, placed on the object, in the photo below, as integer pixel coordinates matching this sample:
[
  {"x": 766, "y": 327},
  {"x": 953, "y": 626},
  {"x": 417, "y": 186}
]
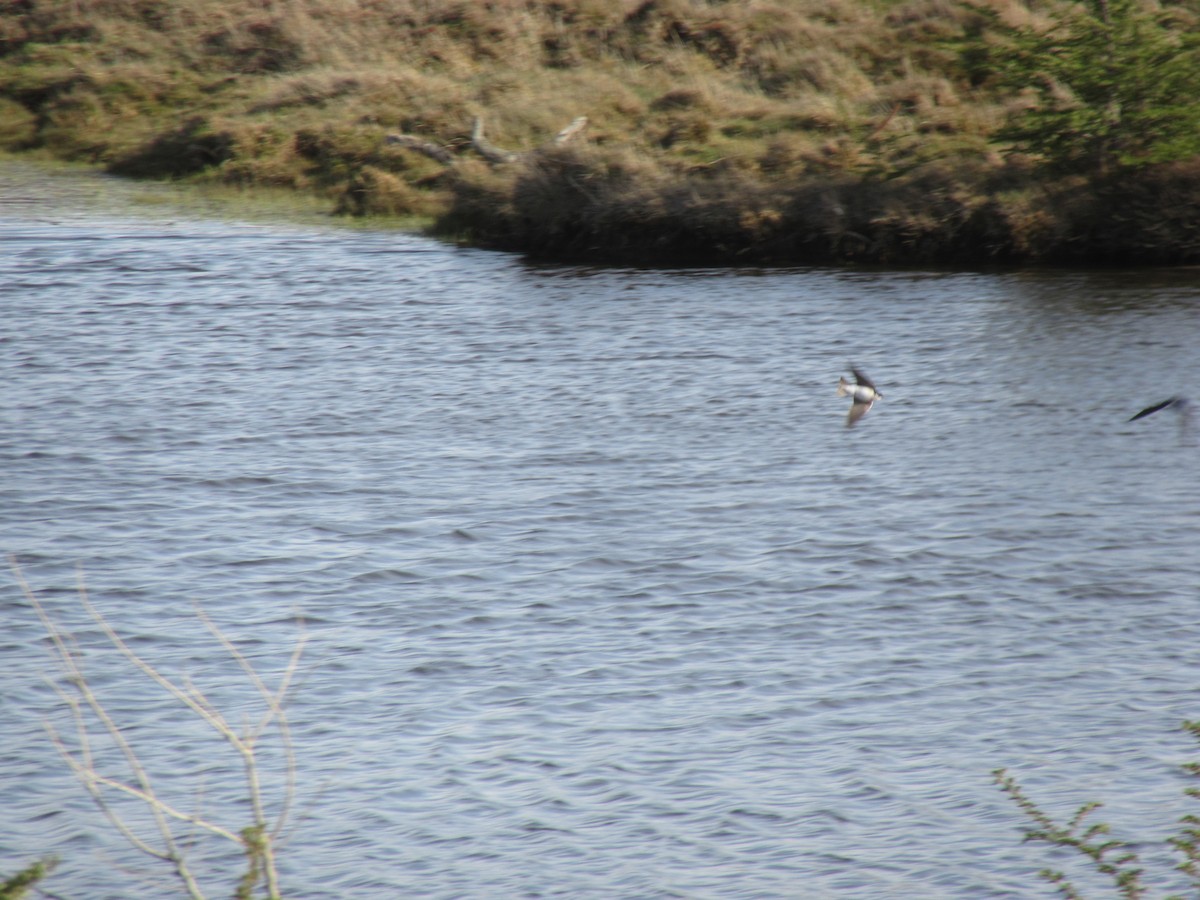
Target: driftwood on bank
[
  {"x": 429, "y": 148},
  {"x": 481, "y": 145}
]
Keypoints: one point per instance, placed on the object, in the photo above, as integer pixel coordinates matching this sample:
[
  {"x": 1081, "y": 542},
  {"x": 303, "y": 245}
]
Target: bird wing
[
  {"x": 857, "y": 411},
  {"x": 861, "y": 378},
  {"x": 1155, "y": 408}
]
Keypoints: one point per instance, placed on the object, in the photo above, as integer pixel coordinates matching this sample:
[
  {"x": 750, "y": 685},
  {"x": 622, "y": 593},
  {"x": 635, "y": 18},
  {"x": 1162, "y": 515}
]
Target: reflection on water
[{"x": 604, "y": 600}]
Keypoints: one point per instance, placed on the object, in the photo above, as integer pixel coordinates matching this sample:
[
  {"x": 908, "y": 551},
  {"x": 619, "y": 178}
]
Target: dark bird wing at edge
[
  {"x": 861, "y": 378},
  {"x": 1155, "y": 408}
]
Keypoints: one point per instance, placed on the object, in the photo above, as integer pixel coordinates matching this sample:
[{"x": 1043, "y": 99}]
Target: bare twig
[
  {"x": 257, "y": 840},
  {"x": 68, "y": 656},
  {"x": 429, "y": 148},
  {"x": 481, "y": 145},
  {"x": 571, "y": 131},
  {"x": 486, "y": 148}
]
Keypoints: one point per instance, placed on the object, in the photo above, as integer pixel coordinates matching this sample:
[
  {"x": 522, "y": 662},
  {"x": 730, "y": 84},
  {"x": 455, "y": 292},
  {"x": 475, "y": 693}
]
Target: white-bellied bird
[{"x": 862, "y": 393}]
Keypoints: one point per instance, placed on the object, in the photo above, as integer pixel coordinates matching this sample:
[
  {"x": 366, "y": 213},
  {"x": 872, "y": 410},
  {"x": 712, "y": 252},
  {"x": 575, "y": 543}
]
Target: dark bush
[{"x": 190, "y": 148}]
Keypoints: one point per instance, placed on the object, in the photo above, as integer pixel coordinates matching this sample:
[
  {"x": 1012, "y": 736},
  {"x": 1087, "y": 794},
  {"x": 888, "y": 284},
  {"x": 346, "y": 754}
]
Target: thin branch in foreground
[
  {"x": 258, "y": 839},
  {"x": 1124, "y": 871}
]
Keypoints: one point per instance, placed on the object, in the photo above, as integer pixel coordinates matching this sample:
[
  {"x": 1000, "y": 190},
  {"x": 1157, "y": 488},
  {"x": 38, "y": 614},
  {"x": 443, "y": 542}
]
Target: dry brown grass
[
  {"x": 762, "y": 97},
  {"x": 429, "y": 66}
]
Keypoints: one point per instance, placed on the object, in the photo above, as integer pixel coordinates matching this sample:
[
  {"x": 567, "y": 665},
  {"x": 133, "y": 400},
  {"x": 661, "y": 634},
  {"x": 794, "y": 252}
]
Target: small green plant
[
  {"x": 101, "y": 748},
  {"x": 14, "y": 887},
  {"x": 1090, "y": 841},
  {"x": 1108, "y": 856}
]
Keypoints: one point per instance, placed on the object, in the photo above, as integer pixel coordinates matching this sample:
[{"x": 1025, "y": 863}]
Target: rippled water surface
[{"x": 602, "y": 599}]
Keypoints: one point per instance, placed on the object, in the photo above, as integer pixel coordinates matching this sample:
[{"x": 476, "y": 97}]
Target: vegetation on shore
[{"x": 757, "y": 131}]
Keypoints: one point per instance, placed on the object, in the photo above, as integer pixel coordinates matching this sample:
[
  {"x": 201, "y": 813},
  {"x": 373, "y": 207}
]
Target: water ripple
[{"x": 604, "y": 600}]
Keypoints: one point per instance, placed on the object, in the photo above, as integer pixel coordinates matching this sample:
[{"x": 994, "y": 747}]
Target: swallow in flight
[{"x": 862, "y": 393}]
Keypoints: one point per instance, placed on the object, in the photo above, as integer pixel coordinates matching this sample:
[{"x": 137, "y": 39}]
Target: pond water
[{"x": 602, "y": 598}]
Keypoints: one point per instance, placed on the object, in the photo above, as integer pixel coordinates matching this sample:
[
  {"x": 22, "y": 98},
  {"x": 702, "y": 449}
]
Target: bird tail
[{"x": 843, "y": 386}]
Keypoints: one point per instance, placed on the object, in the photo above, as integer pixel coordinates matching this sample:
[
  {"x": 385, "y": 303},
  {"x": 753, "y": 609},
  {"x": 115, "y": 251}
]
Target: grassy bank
[{"x": 787, "y": 131}]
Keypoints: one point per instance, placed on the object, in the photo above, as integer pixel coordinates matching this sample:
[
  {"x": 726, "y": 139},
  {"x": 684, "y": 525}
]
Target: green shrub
[
  {"x": 1109, "y": 856},
  {"x": 1112, "y": 82}
]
